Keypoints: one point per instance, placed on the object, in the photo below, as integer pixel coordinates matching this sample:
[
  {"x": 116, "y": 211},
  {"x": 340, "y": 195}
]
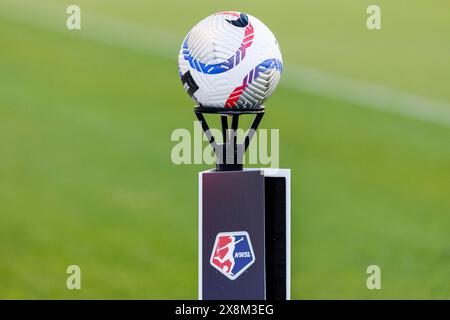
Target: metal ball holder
[{"x": 229, "y": 154}]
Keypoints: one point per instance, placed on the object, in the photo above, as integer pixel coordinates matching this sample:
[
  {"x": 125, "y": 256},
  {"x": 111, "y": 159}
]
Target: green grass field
[{"x": 86, "y": 176}]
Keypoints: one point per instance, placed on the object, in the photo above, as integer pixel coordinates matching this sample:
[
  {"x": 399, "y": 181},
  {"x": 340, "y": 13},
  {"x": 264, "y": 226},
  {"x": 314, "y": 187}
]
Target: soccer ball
[{"x": 230, "y": 60}]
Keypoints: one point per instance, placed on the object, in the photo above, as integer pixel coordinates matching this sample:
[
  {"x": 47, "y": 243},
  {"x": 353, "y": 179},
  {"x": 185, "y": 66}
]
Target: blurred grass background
[{"x": 85, "y": 170}]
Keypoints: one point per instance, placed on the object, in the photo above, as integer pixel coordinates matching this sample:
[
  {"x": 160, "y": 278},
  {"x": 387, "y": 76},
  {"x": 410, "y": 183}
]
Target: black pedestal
[{"x": 244, "y": 235}]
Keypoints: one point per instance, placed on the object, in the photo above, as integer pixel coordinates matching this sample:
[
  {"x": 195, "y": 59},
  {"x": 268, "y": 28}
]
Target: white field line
[
  {"x": 158, "y": 42},
  {"x": 368, "y": 95}
]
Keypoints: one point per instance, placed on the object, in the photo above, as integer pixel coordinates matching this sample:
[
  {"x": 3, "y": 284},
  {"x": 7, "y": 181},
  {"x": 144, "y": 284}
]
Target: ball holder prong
[{"x": 229, "y": 154}]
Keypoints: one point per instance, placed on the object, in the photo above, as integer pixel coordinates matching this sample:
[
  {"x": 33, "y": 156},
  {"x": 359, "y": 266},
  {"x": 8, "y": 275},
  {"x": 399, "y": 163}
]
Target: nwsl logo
[{"x": 232, "y": 253}]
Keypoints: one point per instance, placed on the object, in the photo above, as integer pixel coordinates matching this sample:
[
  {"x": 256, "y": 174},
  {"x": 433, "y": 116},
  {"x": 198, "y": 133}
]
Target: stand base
[{"x": 244, "y": 235}]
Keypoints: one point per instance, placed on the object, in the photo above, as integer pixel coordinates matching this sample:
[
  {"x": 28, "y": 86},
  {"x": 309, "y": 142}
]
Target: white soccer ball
[{"x": 230, "y": 60}]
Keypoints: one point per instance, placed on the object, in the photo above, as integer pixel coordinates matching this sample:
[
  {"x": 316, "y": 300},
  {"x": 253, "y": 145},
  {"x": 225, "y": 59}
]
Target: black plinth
[{"x": 246, "y": 215}]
